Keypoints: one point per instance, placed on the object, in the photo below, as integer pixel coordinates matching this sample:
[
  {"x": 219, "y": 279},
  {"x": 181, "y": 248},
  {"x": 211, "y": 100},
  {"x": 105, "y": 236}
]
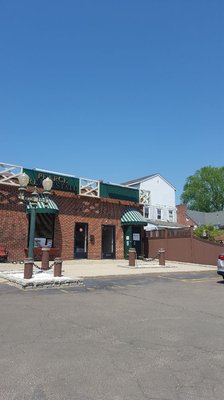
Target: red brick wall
[
  {"x": 182, "y": 216},
  {"x": 93, "y": 211},
  {"x": 13, "y": 223}
]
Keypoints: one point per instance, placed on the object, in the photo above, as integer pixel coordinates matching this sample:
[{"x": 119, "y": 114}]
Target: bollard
[
  {"x": 57, "y": 267},
  {"x": 28, "y": 268},
  {"x": 132, "y": 257},
  {"x": 45, "y": 258},
  {"x": 161, "y": 256}
]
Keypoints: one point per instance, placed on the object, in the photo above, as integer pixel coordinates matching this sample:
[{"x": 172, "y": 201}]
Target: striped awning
[
  {"x": 132, "y": 217},
  {"x": 49, "y": 208}
]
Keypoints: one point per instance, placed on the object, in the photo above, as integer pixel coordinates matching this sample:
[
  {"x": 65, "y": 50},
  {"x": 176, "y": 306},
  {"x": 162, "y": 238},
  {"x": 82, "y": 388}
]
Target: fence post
[{"x": 161, "y": 256}]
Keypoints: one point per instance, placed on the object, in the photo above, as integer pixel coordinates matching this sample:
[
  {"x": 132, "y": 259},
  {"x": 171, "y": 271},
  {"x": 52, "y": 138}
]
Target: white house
[{"x": 158, "y": 197}]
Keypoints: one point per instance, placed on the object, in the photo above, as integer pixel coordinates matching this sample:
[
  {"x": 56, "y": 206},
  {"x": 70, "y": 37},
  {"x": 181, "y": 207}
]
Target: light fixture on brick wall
[{"x": 31, "y": 200}]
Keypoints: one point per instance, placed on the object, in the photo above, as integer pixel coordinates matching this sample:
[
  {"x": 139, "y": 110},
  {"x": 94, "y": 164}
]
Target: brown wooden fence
[{"x": 181, "y": 245}]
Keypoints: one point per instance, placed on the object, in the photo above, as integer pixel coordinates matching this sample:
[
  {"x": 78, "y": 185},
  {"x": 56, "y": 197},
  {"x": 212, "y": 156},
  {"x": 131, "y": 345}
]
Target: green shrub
[{"x": 208, "y": 232}]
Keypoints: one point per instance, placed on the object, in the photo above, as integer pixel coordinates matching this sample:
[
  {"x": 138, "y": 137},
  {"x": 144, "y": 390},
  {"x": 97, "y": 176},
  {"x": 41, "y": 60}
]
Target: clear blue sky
[{"x": 112, "y": 89}]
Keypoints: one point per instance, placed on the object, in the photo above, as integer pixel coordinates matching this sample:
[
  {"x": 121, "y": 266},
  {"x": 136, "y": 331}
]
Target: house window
[
  {"x": 159, "y": 213},
  {"x": 146, "y": 212},
  {"x": 171, "y": 215},
  {"x": 144, "y": 197}
]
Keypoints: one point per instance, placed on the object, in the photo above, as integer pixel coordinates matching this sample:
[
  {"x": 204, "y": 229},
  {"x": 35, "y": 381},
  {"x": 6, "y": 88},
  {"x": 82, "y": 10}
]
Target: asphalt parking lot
[{"x": 157, "y": 336}]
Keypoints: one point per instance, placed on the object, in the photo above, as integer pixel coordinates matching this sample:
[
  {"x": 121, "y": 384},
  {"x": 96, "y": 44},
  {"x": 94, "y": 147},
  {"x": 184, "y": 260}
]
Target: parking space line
[{"x": 193, "y": 280}]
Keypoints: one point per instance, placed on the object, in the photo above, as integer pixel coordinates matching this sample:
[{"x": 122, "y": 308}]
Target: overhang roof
[
  {"x": 155, "y": 224},
  {"x": 132, "y": 216},
  {"x": 49, "y": 208}
]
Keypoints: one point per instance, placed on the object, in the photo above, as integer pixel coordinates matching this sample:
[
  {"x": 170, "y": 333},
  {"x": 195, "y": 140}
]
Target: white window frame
[
  {"x": 146, "y": 212},
  {"x": 158, "y": 213},
  {"x": 144, "y": 196},
  {"x": 171, "y": 215}
]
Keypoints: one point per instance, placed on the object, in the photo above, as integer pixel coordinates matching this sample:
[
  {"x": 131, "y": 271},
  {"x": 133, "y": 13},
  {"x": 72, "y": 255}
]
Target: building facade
[
  {"x": 84, "y": 218},
  {"x": 158, "y": 197}
]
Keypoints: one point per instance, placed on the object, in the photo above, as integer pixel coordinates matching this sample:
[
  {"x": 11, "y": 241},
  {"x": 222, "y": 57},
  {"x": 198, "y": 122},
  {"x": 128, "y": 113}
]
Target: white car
[{"x": 220, "y": 265}]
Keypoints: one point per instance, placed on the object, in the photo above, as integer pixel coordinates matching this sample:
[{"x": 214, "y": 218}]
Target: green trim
[
  {"x": 119, "y": 192},
  {"x": 132, "y": 217},
  {"x": 60, "y": 182},
  {"x": 72, "y": 184}
]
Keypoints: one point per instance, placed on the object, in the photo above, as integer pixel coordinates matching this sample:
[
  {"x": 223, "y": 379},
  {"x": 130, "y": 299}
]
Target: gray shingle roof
[
  {"x": 204, "y": 218},
  {"x": 138, "y": 180},
  {"x": 144, "y": 178}
]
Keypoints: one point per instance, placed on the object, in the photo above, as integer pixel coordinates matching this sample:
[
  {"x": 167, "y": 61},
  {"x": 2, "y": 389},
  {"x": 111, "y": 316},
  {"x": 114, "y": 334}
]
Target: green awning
[
  {"x": 49, "y": 208},
  {"x": 133, "y": 217}
]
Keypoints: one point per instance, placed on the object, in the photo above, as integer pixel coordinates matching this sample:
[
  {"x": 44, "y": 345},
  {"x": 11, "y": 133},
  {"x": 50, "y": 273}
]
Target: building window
[
  {"x": 159, "y": 213},
  {"x": 146, "y": 212},
  {"x": 144, "y": 197},
  {"x": 171, "y": 215},
  {"x": 44, "y": 230}
]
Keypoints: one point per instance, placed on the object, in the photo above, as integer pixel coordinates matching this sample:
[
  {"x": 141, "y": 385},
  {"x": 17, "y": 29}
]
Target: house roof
[
  {"x": 205, "y": 218},
  {"x": 138, "y": 180},
  {"x": 143, "y": 179}
]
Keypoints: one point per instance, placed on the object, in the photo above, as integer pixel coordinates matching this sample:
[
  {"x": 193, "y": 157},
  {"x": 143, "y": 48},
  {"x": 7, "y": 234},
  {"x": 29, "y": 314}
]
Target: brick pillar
[
  {"x": 57, "y": 267},
  {"x": 28, "y": 268},
  {"x": 132, "y": 257},
  {"x": 45, "y": 258},
  {"x": 161, "y": 256}
]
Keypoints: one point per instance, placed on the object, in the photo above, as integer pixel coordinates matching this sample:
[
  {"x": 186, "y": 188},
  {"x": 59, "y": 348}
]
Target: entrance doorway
[
  {"x": 132, "y": 238},
  {"x": 81, "y": 240},
  {"x": 136, "y": 239},
  {"x": 108, "y": 241}
]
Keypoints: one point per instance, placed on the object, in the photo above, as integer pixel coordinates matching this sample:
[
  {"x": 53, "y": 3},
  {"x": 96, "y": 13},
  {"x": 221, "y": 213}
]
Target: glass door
[
  {"x": 108, "y": 241},
  {"x": 136, "y": 239},
  {"x": 132, "y": 239},
  {"x": 81, "y": 240}
]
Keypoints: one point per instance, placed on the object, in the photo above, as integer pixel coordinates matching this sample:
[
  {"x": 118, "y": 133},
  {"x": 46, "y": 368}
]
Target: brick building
[
  {"x": 84, "y": 218},
  {"x": 183, "y": 217}
]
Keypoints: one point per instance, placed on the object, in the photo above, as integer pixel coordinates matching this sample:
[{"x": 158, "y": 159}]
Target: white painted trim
[
  {"x": 151, "y": 177},
  {"x": 90, "y": 189},
  {"x": 9, "y": 172}
]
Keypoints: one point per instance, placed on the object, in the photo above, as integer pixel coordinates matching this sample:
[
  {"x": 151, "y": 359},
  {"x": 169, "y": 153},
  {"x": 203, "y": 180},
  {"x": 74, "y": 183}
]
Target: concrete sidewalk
[
  {"x": 103, "y": 268},
  {"x": 97, "y": 268}
]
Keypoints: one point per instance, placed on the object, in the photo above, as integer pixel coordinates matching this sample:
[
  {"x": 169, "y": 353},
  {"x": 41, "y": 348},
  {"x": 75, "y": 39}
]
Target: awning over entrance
[
  {"x": 132, "y": 217},
  {"x": 50, "y": 208}
]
